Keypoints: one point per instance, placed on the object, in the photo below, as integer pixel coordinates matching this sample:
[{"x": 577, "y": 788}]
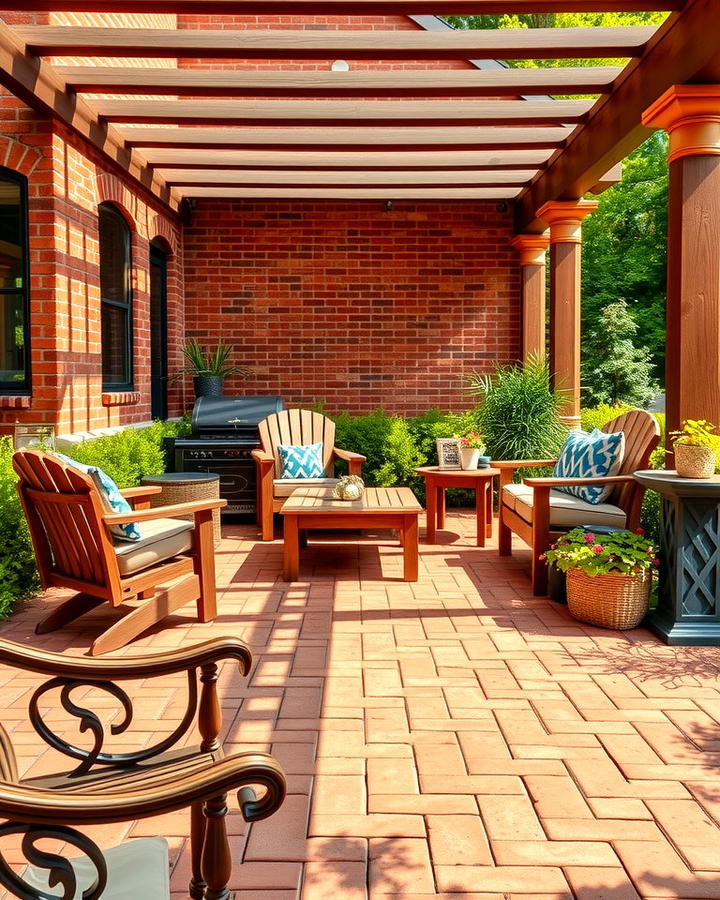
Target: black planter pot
[{"x": 208, "y": 385}]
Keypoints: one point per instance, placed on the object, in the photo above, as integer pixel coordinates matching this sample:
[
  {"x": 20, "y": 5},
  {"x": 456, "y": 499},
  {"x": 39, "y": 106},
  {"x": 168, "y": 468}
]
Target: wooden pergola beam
[
  {"x": 353, "y": 113},
  {"x": 432, "y": 83},
  {"x": 339, "y": 160},
  {"x": 307, "y": 8},
  {"x": 683, "y": 50},
  {"x": 346, "y": 178},
  {"x": 502, "y": 43},
  {"x": 409, "y": 138},
  {"x": 37, "y": 84},
  {"x": 385, "y": 193}
]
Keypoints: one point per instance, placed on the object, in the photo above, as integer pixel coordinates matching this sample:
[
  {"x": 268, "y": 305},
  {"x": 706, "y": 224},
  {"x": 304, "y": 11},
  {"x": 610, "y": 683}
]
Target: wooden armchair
[
  {"x": 538, "y": 513},
  {"x": 74, "y": 549},
  {"x": 106, "y": 786},
  {"x": 296, "y": 427}
]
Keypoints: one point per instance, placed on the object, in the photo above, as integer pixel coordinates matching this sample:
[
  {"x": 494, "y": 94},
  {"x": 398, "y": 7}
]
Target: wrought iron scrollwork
[
  {"x": 60, "y": 871},
  {"x": 90, "y": 722}
]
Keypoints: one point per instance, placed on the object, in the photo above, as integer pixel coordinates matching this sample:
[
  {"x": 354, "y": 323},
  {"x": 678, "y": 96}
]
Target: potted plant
[
  {"x": 695, "y": 449},
  {"x": 209, "y": 368},
  {"x": 471, "y": 447},
  {"x": 608, "y": 576}
]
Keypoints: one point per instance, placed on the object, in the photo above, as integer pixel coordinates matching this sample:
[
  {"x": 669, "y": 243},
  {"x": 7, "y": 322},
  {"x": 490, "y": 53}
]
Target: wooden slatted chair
[
  {"x": 108, "y": 786},
  {"x": 70, "y": 531},
  {"x": 538, "y": 513},
  {"x": 297, "y": 427}
]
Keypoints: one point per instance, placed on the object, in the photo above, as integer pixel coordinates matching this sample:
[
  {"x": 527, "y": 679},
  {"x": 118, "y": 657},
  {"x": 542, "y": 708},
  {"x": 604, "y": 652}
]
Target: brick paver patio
[{"x": 454, "y": 738}]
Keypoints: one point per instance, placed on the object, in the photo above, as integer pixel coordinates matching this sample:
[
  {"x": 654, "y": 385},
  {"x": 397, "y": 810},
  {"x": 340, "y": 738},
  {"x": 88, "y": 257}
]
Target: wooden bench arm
[
  {"x": 168, "y": 662},
  {"x": 143, "y": 490},
  {"x": 22, "y": 803},
  {"x": 263, "y": 458},
  {"x": 163, "y": 512},
  {"x": 571, "y": 482},
  {"x": 348, "y": 455}
]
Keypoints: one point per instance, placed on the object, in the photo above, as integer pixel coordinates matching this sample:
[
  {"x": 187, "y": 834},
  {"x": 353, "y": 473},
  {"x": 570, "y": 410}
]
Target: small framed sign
[
  {"x": 448, "y": 451},
  {"x": 33, "y": 435}
]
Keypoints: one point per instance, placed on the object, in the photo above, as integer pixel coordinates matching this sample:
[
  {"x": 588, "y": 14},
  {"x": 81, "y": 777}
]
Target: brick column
[
  {"x": 565, "y": 220},
  {"x": 532, "y": 249},
  {"x": 691, "y": 116}
]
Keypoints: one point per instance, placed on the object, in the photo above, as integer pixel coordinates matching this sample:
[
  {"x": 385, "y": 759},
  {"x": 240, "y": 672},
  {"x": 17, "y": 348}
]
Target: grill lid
[{"x": 232, "y": 416}]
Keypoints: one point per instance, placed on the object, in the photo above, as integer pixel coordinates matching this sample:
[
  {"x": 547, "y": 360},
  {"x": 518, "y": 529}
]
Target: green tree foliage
[{"x": 614, "y": 370}]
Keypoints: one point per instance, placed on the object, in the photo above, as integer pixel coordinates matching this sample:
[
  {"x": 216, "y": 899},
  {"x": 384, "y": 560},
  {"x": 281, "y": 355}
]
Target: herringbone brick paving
[{"x": 453, "y": 738}]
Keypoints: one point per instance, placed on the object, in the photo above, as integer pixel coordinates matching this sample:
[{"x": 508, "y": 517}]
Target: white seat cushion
[
  {"x": 137, "y": 870},
  {"x": 161, "y": 539},
  {"x": 283, "y": 487},
  {"x": 566, "y": 511}
]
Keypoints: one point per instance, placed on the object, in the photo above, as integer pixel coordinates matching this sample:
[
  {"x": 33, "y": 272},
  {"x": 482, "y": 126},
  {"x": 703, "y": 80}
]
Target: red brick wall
[{"x": 351, "y": 305}]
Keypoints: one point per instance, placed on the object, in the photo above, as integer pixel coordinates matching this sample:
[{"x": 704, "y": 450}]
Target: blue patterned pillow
[
  {"x": 112, "y": 499},
  {"x": 301, "y": 462},
  {"x": 593, "y": 455}
]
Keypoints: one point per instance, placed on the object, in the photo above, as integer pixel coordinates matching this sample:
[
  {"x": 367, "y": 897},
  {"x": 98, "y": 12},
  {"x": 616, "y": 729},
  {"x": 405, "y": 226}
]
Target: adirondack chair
[
  {"x": 107, "y": 786},
  {"x": 296, "y": 427},
  {"x": 74, "y": 549},
  {"x": 538, "y": 513}
]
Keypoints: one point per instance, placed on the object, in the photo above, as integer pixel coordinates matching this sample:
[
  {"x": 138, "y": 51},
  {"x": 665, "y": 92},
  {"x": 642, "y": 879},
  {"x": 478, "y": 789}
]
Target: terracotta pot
[
  {"x": 693, "y": 461},
  {"x": 208, "y": 385},
  {"x": 469, "y": 458},
  {"x": 610, "y": 601}
]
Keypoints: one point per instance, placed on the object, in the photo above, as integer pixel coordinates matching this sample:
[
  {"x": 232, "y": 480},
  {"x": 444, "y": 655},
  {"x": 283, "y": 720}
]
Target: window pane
[
  {"x": 12, "y": 339},
  {"x": 11, "y": 236},
  {"x": 114, "y": 256},
  {"x": 115, "y": 344}
]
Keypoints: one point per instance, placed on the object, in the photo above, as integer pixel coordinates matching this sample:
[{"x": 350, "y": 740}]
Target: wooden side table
[
  {"x": 183, "y": 487},
  {"x": 478, "y": 480}
]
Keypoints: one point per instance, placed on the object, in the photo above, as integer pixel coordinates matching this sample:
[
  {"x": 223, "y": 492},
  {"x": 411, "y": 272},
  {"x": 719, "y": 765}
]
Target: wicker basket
[
  {"x": 610, "y": 601},
  {"x": 185, "y": 488},
  {"x": 694, "y": 461}
]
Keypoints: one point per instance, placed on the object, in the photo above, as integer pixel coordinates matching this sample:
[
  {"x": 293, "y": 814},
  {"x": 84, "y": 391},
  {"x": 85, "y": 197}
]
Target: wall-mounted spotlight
[
  {"x": 389, "y": 206},
  {"x": 340, "y": 66}
]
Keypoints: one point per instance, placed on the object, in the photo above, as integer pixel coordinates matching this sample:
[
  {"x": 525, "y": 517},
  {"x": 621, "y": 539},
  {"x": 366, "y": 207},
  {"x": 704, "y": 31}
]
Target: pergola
[{"x": 489, "y": 132}]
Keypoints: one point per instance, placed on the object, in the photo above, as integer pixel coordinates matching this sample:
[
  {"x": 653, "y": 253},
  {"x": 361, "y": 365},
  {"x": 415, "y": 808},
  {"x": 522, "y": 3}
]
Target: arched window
[
  {"x": 14, "y": 288},
  {"x": 116, "y": 294}
]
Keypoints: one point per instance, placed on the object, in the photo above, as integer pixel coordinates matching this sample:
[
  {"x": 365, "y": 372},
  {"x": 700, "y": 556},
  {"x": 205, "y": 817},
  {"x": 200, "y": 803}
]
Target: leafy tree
[{"x": 614, "y": 370}]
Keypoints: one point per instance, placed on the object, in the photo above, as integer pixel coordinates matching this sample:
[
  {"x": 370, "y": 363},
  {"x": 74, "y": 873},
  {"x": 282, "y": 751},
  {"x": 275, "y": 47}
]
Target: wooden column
[
  {"x": 691, "y": 116},
  {"x": 532, "y": 249},
  {"x": 565, "y": 220}
]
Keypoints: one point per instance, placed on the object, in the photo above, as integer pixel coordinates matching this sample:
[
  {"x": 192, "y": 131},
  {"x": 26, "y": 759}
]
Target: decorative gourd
[{"x": 350, "y": 487}]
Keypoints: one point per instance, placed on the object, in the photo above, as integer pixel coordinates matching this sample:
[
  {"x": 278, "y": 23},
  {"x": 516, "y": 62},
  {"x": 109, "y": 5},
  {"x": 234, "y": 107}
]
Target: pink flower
[
  {"x": 590, "y": 537},
  {"x": 656, "y": 562},
  {"x": 597, "y": 548},
  {"x": 553, "y": 546}
]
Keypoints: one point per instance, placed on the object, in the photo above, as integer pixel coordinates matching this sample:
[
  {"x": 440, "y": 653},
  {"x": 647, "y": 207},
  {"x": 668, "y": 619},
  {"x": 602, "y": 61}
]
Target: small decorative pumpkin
[{"x": 350, "y": 487}]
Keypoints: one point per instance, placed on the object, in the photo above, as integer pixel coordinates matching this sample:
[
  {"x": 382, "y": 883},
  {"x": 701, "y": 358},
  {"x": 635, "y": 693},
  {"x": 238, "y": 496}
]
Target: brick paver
[{"x": 451, "y": 738}]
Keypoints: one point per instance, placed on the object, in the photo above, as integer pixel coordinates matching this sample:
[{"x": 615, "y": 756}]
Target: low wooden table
[
  {"x": 478, "y": 480},
  {"x": 390, "y": 507}
]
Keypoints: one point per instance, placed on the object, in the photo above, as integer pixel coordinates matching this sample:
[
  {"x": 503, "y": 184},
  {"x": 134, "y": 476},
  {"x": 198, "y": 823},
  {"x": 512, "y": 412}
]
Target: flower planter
[
  {"x": 208, "y": 385},
  {"x": 694, "y": 461},
  {"x": 469, "y": 457},
  {"x": 610, "y": 601}
]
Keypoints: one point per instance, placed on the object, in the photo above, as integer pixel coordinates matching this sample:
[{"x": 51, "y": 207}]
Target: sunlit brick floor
[{"x": 454, "y": 738}]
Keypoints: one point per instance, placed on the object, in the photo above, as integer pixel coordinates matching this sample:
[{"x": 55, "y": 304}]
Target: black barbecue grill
[{"x": 224, "y": 433}]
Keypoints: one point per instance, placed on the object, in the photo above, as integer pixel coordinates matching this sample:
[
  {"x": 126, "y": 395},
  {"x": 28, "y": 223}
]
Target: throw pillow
[
  {"x": 301, "y": 462},
  {"x": 594, "y": 455},
  {"x": 112, "y": 499}
]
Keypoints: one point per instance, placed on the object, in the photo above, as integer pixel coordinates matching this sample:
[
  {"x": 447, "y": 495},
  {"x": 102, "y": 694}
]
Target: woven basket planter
[
  {"x": 693, "y": 461},
  {"x": 610, "y": 601}
]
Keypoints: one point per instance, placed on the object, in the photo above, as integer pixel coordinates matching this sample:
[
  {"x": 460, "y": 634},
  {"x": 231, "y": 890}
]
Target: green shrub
[
  {"x": 597, "y": 416},
  {"x": 18, "y": 574},
  {"x": 519, "y": 414},
  {"x": 401, "y": 454},
  {"x": 367, "y": 435}
]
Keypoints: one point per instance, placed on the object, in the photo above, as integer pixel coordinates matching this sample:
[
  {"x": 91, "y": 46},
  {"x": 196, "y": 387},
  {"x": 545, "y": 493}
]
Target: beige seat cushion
[
  {"x": 161, "y": 539},
  {"x": 137, "y": 870},
  {"x": 566, "y": 511},
  {"x": 283, "y": 487}
]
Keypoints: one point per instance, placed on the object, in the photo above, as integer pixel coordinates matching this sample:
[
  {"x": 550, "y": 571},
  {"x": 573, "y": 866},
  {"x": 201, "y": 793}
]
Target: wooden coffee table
[
  {"x": 478, "y": 480},
  {"x": 392, "y": 507}
]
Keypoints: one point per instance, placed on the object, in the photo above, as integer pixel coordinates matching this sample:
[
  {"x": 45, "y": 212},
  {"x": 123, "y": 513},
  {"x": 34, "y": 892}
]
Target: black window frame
[
  {"x": 129, "y": 385},
  {"x": 24, "y": 388}
]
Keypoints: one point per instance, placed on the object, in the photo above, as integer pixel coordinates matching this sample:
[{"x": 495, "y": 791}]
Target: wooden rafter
[
  {"x": 36, "y": 83},
  {"x": 410, "y": 138},
  {"x": 352, "y": 113},
  {"x": 309, "y": 8},
  {"x": 432, "y": 83},
  {"x": 501, "y": 43},
  {"x": 346, "y": 178},
  {"x": 384, "y": 193}
]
